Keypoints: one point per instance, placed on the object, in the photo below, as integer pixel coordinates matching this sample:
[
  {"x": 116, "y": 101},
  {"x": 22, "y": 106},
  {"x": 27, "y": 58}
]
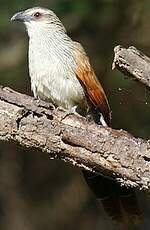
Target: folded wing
[{"x": 93, "y": 89}]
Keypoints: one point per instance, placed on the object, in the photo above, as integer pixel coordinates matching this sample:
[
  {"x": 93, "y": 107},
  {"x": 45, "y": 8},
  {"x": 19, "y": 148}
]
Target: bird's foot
[
  {"x": 69, "y": 112},
  {"x": 44, "y": 104}
]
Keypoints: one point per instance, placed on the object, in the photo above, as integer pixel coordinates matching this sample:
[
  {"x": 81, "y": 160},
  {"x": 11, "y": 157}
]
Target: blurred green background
[{"x": 36, "y": 193}]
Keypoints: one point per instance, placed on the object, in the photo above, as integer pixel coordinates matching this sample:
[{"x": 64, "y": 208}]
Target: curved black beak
[
  {"x": 21, "y": 17},
  {"x": 18, "y": 17}
]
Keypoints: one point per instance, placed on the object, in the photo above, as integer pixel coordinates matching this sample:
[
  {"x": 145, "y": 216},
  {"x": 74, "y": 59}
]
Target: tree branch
[
  {"x": 113, "y": 153},
  {"x": 132, "y": 63}
]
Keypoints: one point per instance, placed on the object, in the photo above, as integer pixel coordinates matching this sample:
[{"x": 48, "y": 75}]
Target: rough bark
[
  {"x": 132, "y": 63},
  {"x": 36, "y": 124}
]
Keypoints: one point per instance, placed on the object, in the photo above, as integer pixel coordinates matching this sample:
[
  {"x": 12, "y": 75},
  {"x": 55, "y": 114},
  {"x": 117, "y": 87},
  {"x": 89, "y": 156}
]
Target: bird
[{"x": 61, "y": 73}]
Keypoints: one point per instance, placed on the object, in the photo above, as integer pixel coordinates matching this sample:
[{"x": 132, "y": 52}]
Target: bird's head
[{"x": 37, "y": 17}]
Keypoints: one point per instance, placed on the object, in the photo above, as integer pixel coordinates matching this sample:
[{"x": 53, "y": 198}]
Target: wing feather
[{"x": 90, "y": 83}]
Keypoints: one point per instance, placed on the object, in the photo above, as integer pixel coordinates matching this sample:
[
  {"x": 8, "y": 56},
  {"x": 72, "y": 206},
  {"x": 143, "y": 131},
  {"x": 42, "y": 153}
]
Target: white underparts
[{"x": 52, "y": 68}]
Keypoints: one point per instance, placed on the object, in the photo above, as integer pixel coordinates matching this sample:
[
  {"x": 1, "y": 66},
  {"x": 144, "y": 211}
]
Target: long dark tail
[{"x": 120, "y": 203}]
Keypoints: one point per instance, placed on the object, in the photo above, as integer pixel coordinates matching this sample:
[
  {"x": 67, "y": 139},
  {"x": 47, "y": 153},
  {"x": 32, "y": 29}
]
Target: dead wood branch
[
  {"x": 132, "y": 63},
  {"x": 113, "y": 153}
]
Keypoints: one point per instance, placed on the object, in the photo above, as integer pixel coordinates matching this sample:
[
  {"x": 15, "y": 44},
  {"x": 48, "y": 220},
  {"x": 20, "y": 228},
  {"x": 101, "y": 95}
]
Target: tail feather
[
  {"x": 130, "y": 206},
  {"x": 112, "y": 208},
  {"x": 119, "y": 203}
]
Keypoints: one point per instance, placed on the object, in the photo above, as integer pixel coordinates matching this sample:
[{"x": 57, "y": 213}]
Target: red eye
[{"x": 37, "y": 15}]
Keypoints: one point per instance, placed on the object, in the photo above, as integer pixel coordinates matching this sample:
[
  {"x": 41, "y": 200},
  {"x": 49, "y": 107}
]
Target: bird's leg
[
  {"x": 45, "y": 104},
  {"x": 70, "y": 111}
]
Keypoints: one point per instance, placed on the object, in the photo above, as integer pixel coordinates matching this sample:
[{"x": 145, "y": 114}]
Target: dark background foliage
[{"x": 36, "y": 193}]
